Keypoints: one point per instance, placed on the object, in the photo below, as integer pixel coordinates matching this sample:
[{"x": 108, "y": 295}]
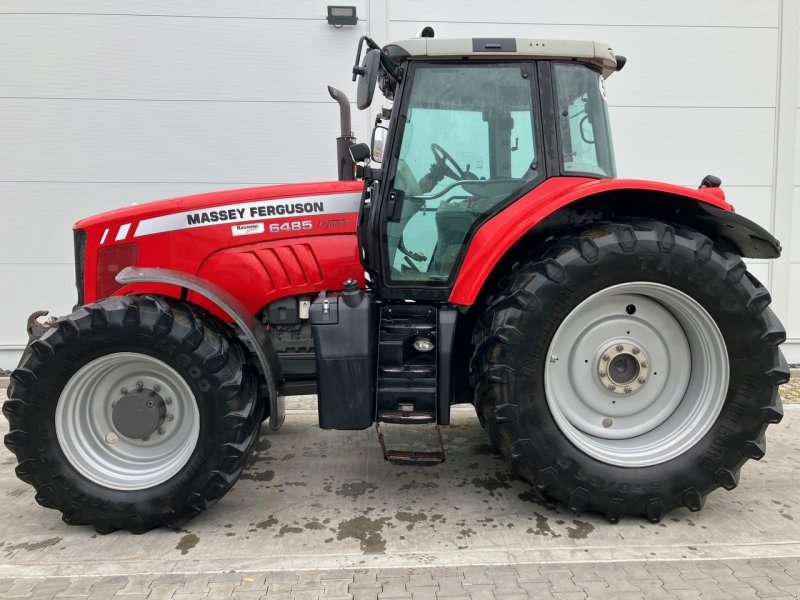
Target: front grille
[{"x": 79, "y": 240}]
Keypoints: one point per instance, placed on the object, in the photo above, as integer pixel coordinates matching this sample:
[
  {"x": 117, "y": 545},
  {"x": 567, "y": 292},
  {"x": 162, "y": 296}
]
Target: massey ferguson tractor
[{"x": 617, "y": 351}]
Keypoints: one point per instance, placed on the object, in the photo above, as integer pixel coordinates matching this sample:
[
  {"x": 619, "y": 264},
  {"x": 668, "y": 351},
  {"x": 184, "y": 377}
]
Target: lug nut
[
  {"x": 111, "y": 437},
  {"x": 606, "y": 357},
  {"x": 635, "y": 350},
  {"x": 150, "y": 404},
  {"x": 170, "y": 417},
  {"x": 139, "y": 384},
  {"x": 641, "y": 380},
  {"x": 156, "y": 388},
  {"x": 168, "y": 400},
  {"x": 603, "y": 373},
  {"x": 620, "y": 347},
  {"x": 161, "y": 431},
  {"x": 607, "y": 422},
  {"x": 145, "y": 438},
  {"x": 123, "y": 391},
  {"x": 628, "y": 389},
  {"x": 644, "y": 364},
  {"x": 114, "y": 403},
  {"x": 611, "y": 387}
]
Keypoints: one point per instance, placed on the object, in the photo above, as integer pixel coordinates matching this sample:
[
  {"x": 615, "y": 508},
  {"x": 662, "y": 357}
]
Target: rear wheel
[
  {"x": 631, "y": 371},
  {"x": 108, "y": 408}
]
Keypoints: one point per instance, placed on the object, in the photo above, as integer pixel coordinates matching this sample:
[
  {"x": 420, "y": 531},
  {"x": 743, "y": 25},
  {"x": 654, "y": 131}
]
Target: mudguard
[
  {"x": 251, "y": 328},
  {"x": 704, "y": 209}
]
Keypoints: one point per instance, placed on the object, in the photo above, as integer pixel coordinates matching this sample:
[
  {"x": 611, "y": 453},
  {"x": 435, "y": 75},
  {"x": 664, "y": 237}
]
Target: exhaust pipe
[{"x": 344, "y": 162}]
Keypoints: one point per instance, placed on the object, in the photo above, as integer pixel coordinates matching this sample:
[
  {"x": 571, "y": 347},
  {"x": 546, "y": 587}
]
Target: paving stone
[
  {"x": 391, "y": 573},
  {"x": 562, "y": 582},
  {"x": 535, "y": 588},
  {"x": 481, "y": 591},
  {"x": 190, "y": 596},
  {"x": 500, "y": 570},
  {"x": 335, "y": 588},
  {"x": 169, "y": 579},
  {"x": 365, "y": 593},
  {"x": 104, "y": 592},
  {"x": 653, "y": 590},
  {"x": 636, "y": 570},
  {"x": 439, "y": 572},
  {"x": 450, "y": 586},
  {"x": 164, "y": 592},
  {"x": 234, "y": 578},
  {"x": 779, "y": 576},
  {"x": 585, "y": 572},
  {"x": 341, "y": 574},
  {"x": 80, "y": 586},
  {"x": 747, "y": 593},
  {"x": 394, "y": 587},
  {"x": 137, "y": 584},
  {"x": 764, "y": 587},
  {"x": 282, "y": 576},
  {"x": 422, "y": 580},
  {"x": 306, "y": 594},
  {"x": 569, "y": 595},
  {"x": 49, "y": 587},
  {"x": 427, "y": 592},
  {"x": 530, "y": 573}
]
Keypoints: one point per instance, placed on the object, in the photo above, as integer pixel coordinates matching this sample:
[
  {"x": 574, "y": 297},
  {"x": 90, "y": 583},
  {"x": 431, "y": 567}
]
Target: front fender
[
  {"x": 252, "y": 329},
  {"x": 705, "y": 210}
]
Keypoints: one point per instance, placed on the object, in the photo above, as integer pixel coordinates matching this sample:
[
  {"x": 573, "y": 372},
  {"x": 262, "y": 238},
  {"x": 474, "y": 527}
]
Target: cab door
[{"x": 467, "y": 142}]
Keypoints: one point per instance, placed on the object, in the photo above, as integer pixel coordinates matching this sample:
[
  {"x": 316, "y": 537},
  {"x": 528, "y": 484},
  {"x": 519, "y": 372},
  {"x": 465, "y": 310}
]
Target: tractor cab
[{"x": 475, "y": 125}]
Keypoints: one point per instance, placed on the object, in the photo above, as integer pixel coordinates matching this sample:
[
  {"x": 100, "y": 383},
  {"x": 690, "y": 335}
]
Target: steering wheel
[{"x": 442, "y": 157}]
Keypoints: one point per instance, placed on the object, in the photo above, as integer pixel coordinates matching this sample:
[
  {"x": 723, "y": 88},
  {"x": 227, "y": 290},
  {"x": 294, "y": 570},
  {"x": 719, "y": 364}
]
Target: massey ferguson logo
[
  {"x": 258, "y": 210},
  {"x": 255, "y": 212}
]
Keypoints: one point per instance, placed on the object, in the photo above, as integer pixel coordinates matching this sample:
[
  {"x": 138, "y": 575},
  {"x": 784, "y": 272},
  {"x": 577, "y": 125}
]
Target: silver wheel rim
[
  {"x": 669, "y": 378},
  {"x": 97, "y": 450}
]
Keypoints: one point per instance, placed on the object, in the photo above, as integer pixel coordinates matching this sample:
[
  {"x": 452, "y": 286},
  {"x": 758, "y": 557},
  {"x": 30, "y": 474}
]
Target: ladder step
[
  {"x": 411, "y": 458},
  {"x": 406, "y": 417},
  {"x": 409, "y": 370}
]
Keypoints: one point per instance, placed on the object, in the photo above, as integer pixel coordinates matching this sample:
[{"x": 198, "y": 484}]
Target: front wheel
[
  {"x": 631, "y": 371},
  {"x": 133, "y": 412}
]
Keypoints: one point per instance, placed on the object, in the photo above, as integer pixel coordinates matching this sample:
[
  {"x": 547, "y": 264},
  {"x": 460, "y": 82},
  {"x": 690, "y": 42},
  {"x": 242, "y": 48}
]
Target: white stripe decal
[
  {"x": 103, "y": 239},
  {"x": 123, "y": 232},
  {"x": 260, "y": 210}
]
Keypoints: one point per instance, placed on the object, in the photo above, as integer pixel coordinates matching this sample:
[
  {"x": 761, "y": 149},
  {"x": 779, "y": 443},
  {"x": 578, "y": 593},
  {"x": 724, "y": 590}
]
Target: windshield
[
  {"x": 469, "y": 142},
  {"x": 586, "y": 147}
]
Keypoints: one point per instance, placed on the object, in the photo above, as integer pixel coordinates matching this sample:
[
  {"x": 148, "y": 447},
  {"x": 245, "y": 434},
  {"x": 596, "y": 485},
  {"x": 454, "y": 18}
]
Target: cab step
[{"x": 410, "y": 455}]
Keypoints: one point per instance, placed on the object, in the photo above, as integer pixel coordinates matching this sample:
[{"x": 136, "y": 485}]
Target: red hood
[{"x": 199, "y": 201}]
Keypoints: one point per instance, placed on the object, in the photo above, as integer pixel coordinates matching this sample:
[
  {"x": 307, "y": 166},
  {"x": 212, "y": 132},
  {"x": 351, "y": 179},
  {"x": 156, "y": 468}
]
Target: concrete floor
[{"x": 313, "y": 499}]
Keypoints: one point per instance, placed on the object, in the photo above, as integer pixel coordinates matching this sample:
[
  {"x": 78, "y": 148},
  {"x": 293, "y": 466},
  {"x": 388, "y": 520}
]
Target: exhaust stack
[{"x": 344, "y": 162}]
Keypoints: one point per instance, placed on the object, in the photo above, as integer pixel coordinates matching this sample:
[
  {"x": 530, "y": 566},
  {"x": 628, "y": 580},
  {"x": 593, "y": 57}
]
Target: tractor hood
[{"x": 213, "y": 205}]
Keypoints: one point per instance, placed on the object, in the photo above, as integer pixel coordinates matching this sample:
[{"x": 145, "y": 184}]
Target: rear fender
[
  {"x": 226, "y": 302},
  {"x": 564, "y": 202}
]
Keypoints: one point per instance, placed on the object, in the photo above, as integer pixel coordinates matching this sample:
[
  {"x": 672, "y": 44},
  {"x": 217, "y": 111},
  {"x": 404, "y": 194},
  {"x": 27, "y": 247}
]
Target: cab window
[{"x": 469, "y": 142}]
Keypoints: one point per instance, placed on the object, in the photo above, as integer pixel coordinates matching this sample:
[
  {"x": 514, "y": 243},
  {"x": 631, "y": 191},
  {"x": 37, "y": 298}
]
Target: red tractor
[{"x": 617, "y": 351}]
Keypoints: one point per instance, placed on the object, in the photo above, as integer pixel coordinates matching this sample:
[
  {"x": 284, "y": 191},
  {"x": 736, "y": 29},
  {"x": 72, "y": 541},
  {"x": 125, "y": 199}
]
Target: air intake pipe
[{"x": 344, "y": 162}]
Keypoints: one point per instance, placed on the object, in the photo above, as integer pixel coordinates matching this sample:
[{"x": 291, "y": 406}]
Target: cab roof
[{"x": 595, "y": 53}]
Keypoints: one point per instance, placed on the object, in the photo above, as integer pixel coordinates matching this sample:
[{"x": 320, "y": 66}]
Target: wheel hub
[
  {"x": 139, "y": 414},
  {"x": 623, "y": 368}
]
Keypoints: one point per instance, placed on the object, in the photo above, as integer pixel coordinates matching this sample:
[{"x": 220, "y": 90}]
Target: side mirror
[
  {"x": 359, "y": 152},
  {"x": 378, "y": 140},
  {"x": 368, "y": 77}
]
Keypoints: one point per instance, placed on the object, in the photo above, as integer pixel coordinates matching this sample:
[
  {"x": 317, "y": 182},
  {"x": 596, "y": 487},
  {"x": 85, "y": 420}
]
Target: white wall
[{"x": 107, "y": 103}]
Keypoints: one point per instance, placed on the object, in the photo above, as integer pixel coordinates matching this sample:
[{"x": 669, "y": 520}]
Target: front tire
[
  {"x": 631, "y": 371},
  {"x": 133, "y": 412}
]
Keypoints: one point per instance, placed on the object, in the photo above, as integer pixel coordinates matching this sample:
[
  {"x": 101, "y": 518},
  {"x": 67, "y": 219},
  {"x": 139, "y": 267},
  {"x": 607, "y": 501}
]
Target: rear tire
[
  {"x": 544, "y": 394},
  {"x": 133, "y": 412}
]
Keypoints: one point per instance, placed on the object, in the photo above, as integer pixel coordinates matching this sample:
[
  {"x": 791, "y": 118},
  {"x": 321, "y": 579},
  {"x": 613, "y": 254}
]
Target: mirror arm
[{"x": 392, "y": 69}]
